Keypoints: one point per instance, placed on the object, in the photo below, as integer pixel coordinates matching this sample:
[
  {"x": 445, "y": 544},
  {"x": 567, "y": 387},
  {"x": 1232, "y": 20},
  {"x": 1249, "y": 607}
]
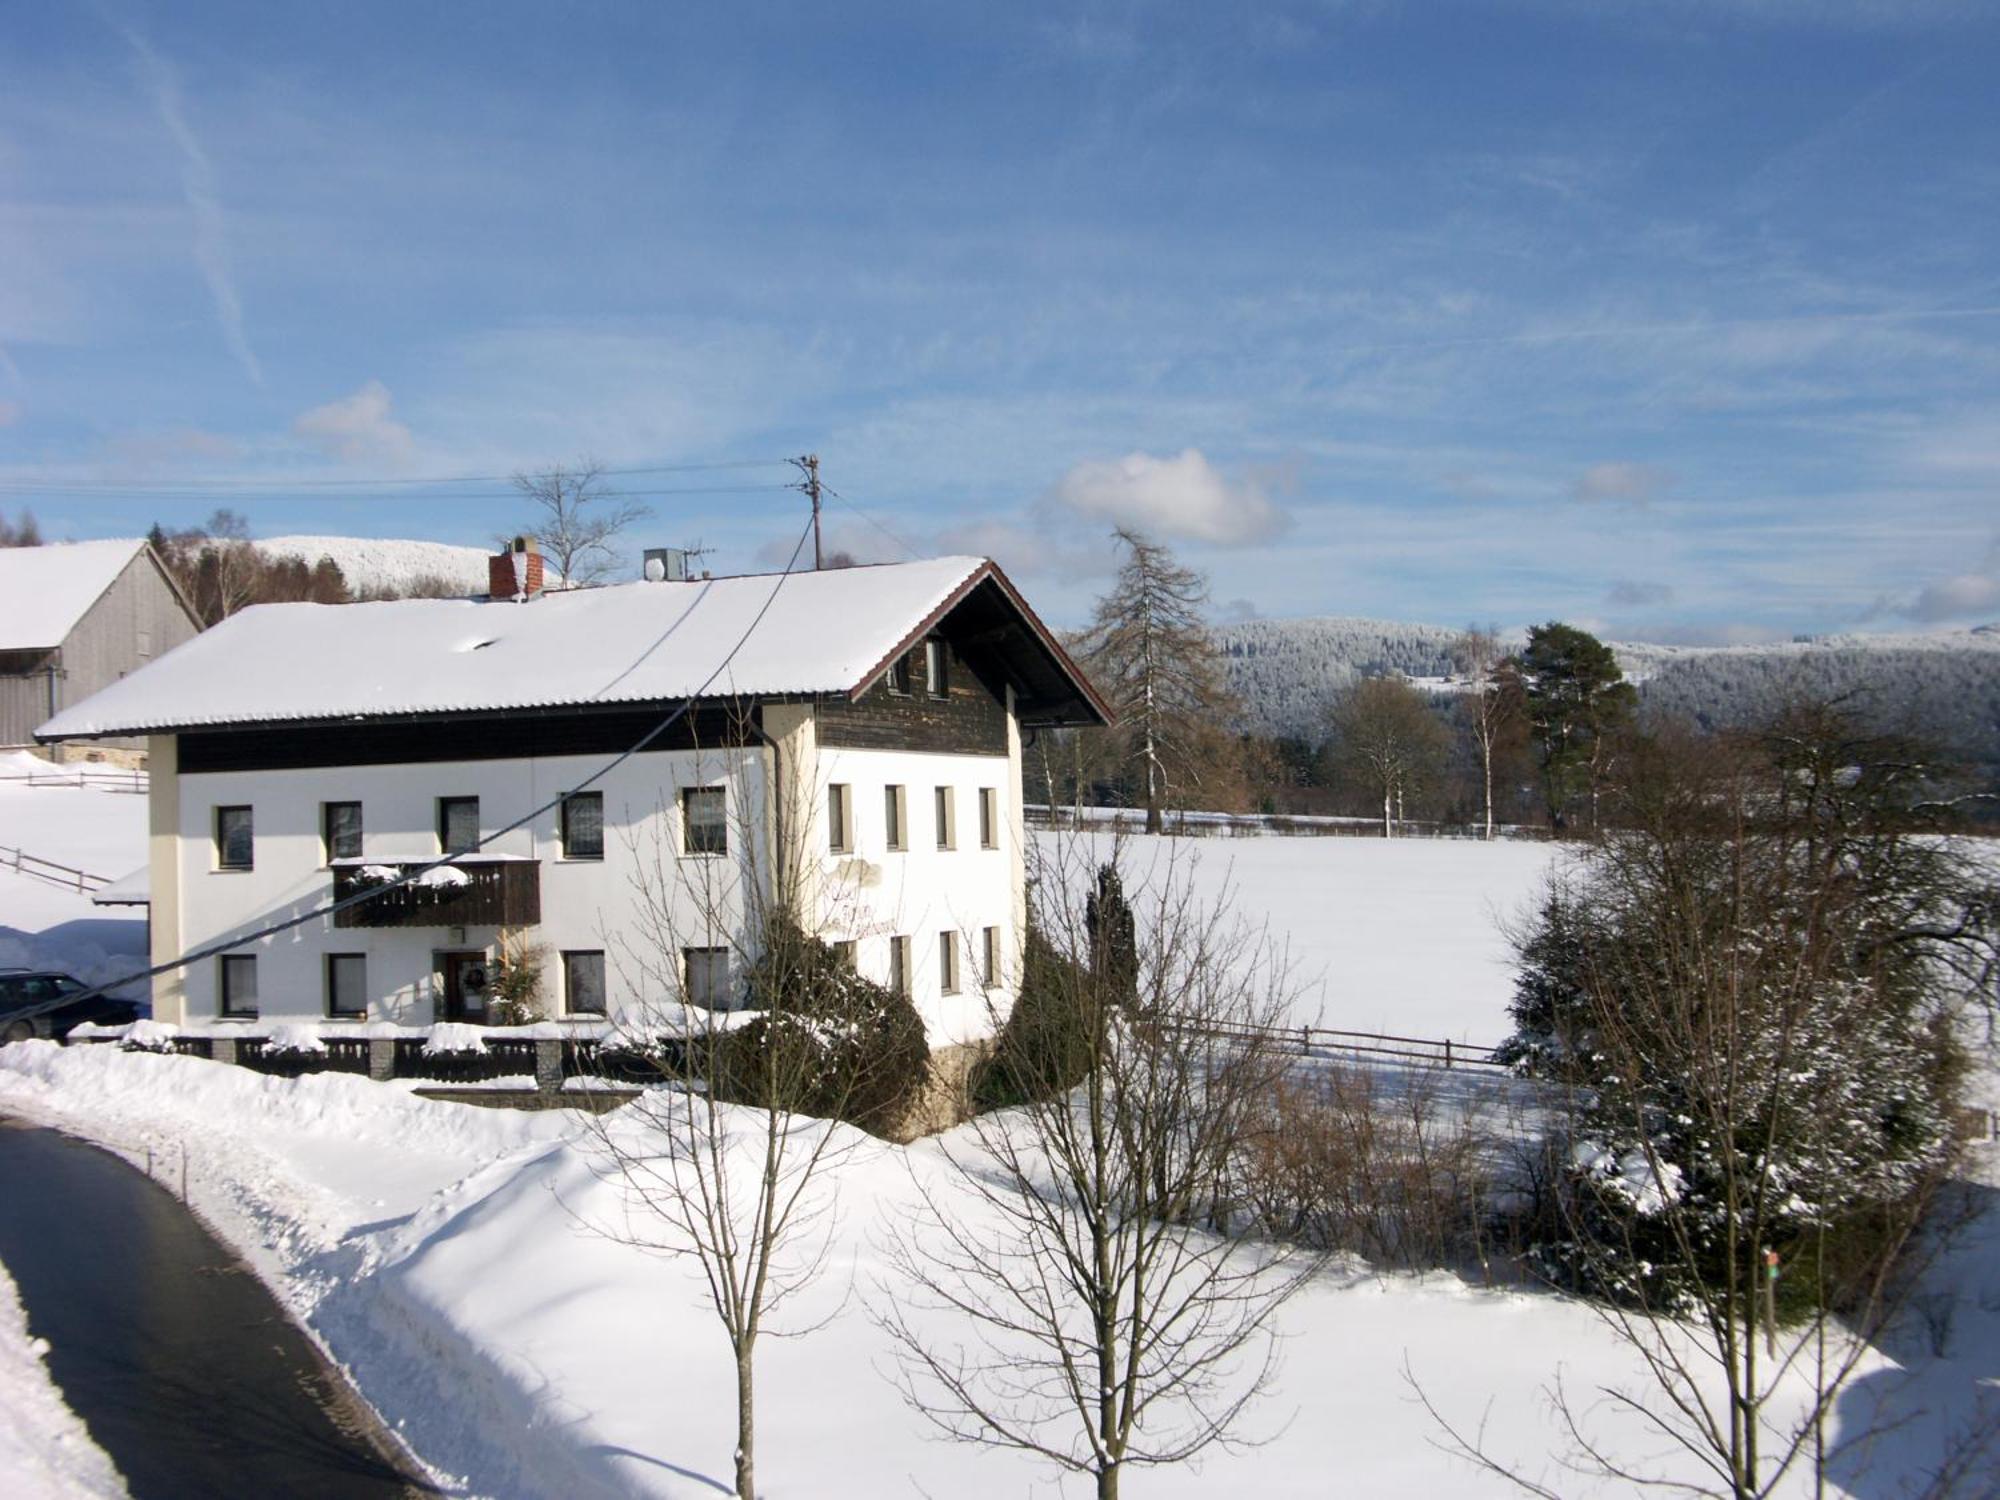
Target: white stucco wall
[{"x": 868, "y": 895}]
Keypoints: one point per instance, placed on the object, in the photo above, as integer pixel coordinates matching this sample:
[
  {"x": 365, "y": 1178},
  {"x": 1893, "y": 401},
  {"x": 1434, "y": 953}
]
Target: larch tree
[
  {"x": 577, "y": 517},
  {"x": 1385, "y": 735},
  {"x": 1576, "y": 700},
  {"x": 1150, "y": 653}
]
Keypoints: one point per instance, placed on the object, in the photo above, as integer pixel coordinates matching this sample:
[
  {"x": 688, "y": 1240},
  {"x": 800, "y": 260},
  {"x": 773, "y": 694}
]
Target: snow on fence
[
  {"x": 93, "y": 778},
  {"x": 1250, "y": 825},
  {"x": 22, "y": 863}
]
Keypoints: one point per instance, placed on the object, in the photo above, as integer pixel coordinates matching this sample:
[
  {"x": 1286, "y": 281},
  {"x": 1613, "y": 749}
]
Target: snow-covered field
[
  {"x": 45, "y": 1451},
  {"x": 386, "y": 562},
  {"x": 445, "y": 1253}
]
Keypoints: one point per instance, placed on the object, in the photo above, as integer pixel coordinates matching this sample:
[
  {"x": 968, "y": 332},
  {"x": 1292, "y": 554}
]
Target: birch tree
[
  {"x": 1149, "y": 651},
  {"x": 1488, "y": 708}
]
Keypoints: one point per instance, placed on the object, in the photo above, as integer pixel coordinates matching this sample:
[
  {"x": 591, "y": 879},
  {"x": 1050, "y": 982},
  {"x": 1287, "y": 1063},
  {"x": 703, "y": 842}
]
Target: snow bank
[
  {"x": 447, "y": 1256},
  {"x": 45, "y": 1450}
]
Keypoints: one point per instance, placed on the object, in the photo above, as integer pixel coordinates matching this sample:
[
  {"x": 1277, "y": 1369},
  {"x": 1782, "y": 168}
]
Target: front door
[{"x": 468, "y": 980}]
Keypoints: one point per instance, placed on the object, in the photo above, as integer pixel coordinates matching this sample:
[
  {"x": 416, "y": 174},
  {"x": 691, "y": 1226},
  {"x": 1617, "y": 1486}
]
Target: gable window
[
  {"x": 839, "y": 818},
  {"x": 895, "y": 817},
  {"x": 899, "y": 965},
  {"x": 234, "y": 840},
  {"x": 705, "y": 976},
  {"x": 340, "y": 830},
  {"x": 948, "y": 963},
  {"x": 583, "y": 982},
  {"x": 989, "y": 957},
  {"x": 946, "y": 806},
  {"x": 237, "y": 973},
  {"x": 458, "y": 824},
  {"x": 989, "y": 817},
  {"x": 347, "y": 984},
  {"x": 937, "y": 682},
  {"x": 897, "y": 680},
  {"x": 704, "y": 823},
  {"x": 583, "y": 826}
]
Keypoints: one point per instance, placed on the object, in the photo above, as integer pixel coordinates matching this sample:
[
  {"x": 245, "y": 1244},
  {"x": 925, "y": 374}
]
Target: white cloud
[
  {"x": 1958, "y": 597},
  {"x": 1619, "y": 484},
  {"x": 1178, "y": 498},
  {"x": 358, "y": 429}
]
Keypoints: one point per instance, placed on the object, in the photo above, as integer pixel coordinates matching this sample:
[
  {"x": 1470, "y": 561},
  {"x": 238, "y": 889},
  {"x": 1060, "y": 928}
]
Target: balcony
[{"x": 473, "y": 892}]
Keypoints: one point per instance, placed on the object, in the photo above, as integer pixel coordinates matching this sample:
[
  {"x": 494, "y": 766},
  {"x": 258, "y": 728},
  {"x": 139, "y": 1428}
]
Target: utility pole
[{"x": 809, "y": 466}]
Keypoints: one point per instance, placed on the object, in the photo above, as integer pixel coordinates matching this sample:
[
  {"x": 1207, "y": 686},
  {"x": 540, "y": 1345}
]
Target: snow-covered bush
[
  {"x": 1743, "y": 999},
  {"x": 824, "y": 1042}
]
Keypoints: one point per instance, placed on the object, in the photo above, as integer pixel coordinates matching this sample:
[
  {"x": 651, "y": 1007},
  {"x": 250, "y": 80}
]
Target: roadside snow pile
[
  {"x": 449, "y": 1257},
  {"x": 46, "y": 1453}
]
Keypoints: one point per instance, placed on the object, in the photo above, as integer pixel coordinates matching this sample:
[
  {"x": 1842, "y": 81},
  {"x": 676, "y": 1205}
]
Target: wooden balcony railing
[{"x": 492, "y": 893}]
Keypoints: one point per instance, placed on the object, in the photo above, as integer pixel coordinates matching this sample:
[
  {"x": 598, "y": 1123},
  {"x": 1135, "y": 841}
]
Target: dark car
[{"x": 42, "y": 1003}]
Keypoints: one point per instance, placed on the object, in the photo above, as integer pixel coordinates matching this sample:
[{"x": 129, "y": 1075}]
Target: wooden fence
[
  {"x": 1326, "y": 1042},
  {"x": 1249, "y": 825},
  {"x": 47, "y": 869},
  {"x": 94, "y": 778}
]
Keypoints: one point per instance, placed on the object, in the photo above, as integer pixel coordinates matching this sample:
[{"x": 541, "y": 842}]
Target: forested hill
[{"x": 1288, "y": 672}]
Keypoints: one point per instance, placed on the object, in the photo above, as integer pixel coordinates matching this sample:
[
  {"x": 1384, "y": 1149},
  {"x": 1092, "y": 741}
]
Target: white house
[{"x": 857, "y": 731}]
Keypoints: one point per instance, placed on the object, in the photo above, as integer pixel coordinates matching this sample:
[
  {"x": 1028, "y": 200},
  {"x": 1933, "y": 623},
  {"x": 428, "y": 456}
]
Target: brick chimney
[{"x": 516, "y": 573}]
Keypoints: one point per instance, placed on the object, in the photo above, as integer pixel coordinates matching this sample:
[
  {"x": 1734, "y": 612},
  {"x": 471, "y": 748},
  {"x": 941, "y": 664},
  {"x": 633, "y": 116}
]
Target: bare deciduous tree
[
  {"x": 576, "y": 516},
  {"x": 1080, "y": 1285},
  {"x": 1384, "y": 733},
  {"x": 729, "y": 1164}
]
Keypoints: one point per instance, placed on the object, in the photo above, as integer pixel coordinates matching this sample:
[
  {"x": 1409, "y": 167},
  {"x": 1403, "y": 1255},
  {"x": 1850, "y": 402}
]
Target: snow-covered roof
[
  {"x": 821, "y": 632},
  {"x": 44, "y": 591},
  {"x": 132, "y": 889}
]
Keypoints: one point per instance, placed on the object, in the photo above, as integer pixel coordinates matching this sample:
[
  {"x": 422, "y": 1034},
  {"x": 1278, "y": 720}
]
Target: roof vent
[{"x": 666, "y": 565}]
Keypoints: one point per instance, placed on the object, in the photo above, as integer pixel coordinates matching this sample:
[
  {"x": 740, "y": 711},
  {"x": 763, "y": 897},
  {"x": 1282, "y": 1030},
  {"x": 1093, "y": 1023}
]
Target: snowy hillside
[
  {"x": 1289, "y": 672},
  {"x": 371, "y": 563}
]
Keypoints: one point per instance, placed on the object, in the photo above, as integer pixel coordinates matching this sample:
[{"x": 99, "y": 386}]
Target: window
[
  {"x": 898, "y": 677},
  {"x": 895, "y": 817},
  {"x": 347, "y": 984},
  {"x": 989, "y": 817},
  {"x": 936, "y": 682},
  {"x": 340, "y": 830},
  {"x": 840, "y": 818},
  {"x": 843, "y": 951},
  {"x": 706, "y": 977},
  {"x": 458, "y": 824},
  {"x": 947, "y": 818},
  {"x": 233, "y": 838},
  {"x": 583, "y": 982},
  {"x": 899, "y": 965},
  {"x": 239, "y": 984},
  {"x": 704, "y": 825},
  {"x": 989, "y": 957},
  {"x": 583, "y": 826},
  {"x": 948, "y": 963}
]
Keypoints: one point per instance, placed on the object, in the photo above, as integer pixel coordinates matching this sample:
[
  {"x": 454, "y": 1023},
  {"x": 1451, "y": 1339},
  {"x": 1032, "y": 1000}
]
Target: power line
[
  {"x": 278, "y": 494},
  {"x": 916, "y": 553},
  {"x": 381, "y": 481},
  {"x": 239, "y": 940}
]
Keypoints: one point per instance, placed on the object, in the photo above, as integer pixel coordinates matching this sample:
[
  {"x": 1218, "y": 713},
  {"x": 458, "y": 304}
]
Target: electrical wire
[
  {"x": 916, "y": 554},
  {"x": 276, "y": 495},
  {"x": 178, "y": 485},
  {"x": 242, "y": 939}
]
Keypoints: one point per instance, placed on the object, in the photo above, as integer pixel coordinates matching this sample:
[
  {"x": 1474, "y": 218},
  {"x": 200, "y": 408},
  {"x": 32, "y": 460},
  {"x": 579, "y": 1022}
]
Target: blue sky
[{"x": 1680, "y": 320}]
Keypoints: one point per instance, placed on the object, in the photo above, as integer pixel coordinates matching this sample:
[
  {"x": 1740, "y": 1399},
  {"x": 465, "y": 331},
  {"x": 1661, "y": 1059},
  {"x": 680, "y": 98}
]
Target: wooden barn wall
[
  {"x": 970, "y": 720},
  {"x": 137, "y": 620}
]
